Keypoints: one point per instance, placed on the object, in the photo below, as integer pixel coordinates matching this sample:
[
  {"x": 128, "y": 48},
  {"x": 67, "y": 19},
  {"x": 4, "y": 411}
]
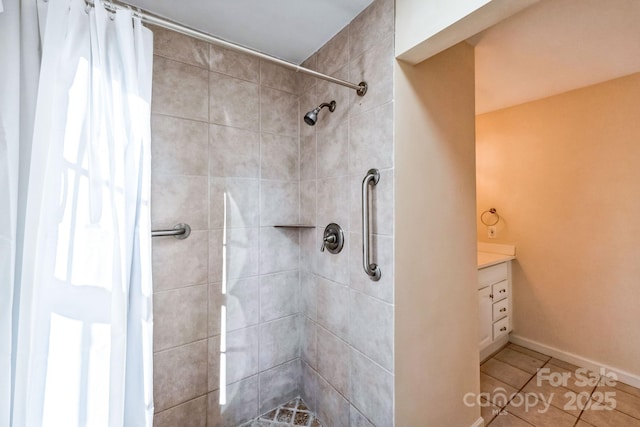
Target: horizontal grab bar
[{"x": 180, "y": 231}]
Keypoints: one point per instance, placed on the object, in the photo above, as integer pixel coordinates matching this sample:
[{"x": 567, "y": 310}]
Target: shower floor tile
[{"x": 292, "y": 413}]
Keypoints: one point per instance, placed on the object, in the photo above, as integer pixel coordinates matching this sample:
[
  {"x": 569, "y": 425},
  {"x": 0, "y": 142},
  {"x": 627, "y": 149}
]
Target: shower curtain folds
[{"x": 84, "y": 350}]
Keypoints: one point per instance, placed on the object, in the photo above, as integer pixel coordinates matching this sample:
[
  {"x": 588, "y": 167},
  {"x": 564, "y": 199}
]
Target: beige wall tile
[
  {"x": 179, "y": 199},
  {"x": 371, "y": 328},
  {"x": 308, "y": 156},
  {"x": 306, "y": 81},
  {"x": 233, "y": 152},
  {"x": 242, "y": 353},
  {"x": 279, "y": 385},
  {"x": 279, "y": 341},
  {"x": 356, "y": 419},
  {"x": 333, "y": 199},
  {"x": 334, "y": 362},
  {"x": 333, "y": 150},
  {"x": 277, "y": 77},
  {"x": 309, "y": 388},
  {"x": 179, "y": 316},
  {"x": 241, "y": 404},
  {"x": 278, "y": 249},
  {"x": 309, "y": 250},
  {"x": 216, "y": 301},
  {"x": 374, "y": 66},
  {"x": 234, "y": 64},
  {"x": 334, "y": 267},
  {"x": 179, "y": 90},
  {"x": 180, "y": 374},
  {"x": 327, "y": 92},
  {"x": 332, "y": 408},
  {"x": 371, "y": 140},
  {"x": 308, "y": 202},
  {"x": 308, "y": 295},
  {"x": 381, "y": 253},
  {"x": 279, "y": 157},
  {"x": 233, "y": 102},
  {"x": 308, "y": 342},
  {"x": 243, "y": 303},
  {"x": 374, "y": 24},
  {"x": 278, "y": 112},
  {"x": 371, "y": 390},
  {"x": 178, "y": 146},
  {"x": 279, "y": 202},
  {"x": 178, "y": 263},
  {"x": 189, "y": 414},
  {"x": 213, "y": 358},
  {"x": 179, "y": 47},
  {"x": 240, "y": 252},
  {"x": 234, "y": 202},
  {"x": 333, "y": 307},
  {"x": 334, "y": 54},
  {"x": 279, "y": 295}
]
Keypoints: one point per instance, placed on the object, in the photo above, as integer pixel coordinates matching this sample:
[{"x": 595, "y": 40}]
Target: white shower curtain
[{"x": 84, "y": 350}]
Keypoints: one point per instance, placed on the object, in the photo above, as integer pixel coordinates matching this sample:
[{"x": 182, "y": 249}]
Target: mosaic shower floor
[{"x": 292, "y": 413}]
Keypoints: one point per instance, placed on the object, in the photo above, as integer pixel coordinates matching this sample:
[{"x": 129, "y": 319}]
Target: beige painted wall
[
  {"x": 436, "y": 336},
  {"x": 564, "y": 173}
]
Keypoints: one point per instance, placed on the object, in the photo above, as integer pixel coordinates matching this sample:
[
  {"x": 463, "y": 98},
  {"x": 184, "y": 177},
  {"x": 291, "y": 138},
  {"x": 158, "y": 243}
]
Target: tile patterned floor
[
  {"x": 515, "y": 394},
  {"x": 292, "y": 413}
]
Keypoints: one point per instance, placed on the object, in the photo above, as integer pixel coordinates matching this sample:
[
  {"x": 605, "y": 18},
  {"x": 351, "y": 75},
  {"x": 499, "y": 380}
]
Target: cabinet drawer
[
  {"x": 500, "y": 328},
  {"x": 500, "y": 291},
  {"x": 500, "y": 309},
  {"x": 490, "y": 275}
]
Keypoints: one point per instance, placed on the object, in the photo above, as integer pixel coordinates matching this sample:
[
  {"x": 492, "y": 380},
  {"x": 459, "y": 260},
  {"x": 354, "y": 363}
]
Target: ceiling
[
  {"x": 288, "y": 29},
  {"x": 553, "y": 47}
]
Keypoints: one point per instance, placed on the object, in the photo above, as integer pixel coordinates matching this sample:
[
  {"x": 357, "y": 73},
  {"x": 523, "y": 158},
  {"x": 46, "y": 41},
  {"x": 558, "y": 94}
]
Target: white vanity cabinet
[{"x": 494, "y": 298}]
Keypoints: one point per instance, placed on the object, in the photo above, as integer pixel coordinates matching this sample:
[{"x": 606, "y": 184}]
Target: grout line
[
  {"x": 199, "y": 340},
  {"x": 185, "y": 402}
]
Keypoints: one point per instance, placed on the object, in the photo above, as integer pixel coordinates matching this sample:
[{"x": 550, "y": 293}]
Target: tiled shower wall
[
  {"x": 232, "y": 158},
  {"x": 225, "y": 149},
  {"x": 347, "y": 332}
]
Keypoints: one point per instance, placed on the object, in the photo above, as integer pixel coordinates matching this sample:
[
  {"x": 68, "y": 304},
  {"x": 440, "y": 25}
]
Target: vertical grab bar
[{"x": 371, "y": 179}]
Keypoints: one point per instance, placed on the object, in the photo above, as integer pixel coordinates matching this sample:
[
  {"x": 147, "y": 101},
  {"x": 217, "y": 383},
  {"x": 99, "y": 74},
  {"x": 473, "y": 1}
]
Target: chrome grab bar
[
  {"x": 371, "y": 179},
  {"x": 180, "y": 231}
]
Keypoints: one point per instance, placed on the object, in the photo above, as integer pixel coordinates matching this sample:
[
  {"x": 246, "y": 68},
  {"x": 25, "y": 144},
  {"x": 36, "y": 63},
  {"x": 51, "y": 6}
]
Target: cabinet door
[{"x": 486, "y": 313}]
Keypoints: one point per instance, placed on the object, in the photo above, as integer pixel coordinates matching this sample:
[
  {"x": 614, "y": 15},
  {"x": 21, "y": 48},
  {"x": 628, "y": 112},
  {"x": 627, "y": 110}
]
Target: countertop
[{"x": 487, "y": 259}]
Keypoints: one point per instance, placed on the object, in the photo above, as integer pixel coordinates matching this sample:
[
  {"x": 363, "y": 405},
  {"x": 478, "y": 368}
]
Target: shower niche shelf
[{"x": 294, "y": 226}]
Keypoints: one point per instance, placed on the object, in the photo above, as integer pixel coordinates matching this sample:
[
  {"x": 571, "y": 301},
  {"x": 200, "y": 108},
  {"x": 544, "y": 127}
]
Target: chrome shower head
[{"x": 312, "y": 116}]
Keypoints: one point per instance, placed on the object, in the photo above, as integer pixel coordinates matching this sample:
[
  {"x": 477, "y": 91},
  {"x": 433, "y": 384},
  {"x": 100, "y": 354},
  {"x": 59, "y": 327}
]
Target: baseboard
[
  {"x": 479, "y": 423},
  {"x": 583, "y": 362}
]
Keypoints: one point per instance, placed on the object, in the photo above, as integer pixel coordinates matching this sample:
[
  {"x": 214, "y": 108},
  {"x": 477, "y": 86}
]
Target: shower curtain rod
[{"x": 149, "y": 18}]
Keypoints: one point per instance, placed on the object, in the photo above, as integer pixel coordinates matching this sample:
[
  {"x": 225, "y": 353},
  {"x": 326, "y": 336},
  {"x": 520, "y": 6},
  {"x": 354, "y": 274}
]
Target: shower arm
[{"x": 149, "y": 18}]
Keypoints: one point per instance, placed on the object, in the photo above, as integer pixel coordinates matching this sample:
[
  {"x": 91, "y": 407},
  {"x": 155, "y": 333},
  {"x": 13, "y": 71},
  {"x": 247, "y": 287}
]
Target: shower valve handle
[
  {"x": 332, "y": 239},
  {"x": 327, "y": 239}
]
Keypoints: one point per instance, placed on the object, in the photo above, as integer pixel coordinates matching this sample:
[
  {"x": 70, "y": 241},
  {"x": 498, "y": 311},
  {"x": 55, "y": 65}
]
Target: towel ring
[{"x": 491, "y": 211}]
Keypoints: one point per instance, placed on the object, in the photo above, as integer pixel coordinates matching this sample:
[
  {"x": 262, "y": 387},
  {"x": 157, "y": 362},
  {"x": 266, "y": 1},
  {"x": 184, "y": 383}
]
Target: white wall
[
  {"x": 425, "y": 28},
  {"x": 436, "y": 335}
]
